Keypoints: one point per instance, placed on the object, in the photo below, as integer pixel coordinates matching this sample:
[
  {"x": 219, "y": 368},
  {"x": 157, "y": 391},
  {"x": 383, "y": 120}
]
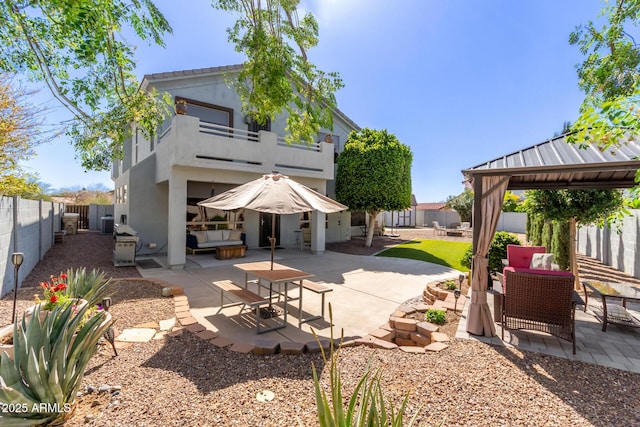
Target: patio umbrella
[{"x": 275, "y": 194}]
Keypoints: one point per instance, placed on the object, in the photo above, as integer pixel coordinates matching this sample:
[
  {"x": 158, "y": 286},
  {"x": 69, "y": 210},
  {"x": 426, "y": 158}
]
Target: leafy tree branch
[
  {"x": 277, "y": 75},
  {"x": 75, "y": 47}
]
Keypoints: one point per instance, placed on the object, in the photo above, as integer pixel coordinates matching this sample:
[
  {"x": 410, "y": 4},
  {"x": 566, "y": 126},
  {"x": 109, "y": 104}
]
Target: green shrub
[
  {"x": 497, "y": 251},
  {"x": 467, "y": 257},
  {"x": 435, "y": 315},
  {"x": 451, "y": 285},
  {"x": 547, "y": 231},
  {"x": 561, "y": 244},
  {"x": 535, "y": 236}
]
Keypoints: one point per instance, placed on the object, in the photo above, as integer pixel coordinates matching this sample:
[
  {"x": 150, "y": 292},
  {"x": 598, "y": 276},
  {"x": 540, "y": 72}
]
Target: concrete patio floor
[{"x": 366, "y": 290}]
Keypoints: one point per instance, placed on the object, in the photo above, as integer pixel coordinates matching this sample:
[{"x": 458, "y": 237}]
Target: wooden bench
[
  {"x": 318, "y": 289},
  {"x": 246, "y": 297}
]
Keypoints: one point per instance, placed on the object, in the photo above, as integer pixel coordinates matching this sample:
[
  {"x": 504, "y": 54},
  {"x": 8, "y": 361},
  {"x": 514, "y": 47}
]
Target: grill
[{"x": 124, "y": 246}]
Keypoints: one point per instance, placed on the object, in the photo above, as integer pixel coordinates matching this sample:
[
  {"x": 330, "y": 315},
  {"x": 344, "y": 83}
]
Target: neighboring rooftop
[{"x": 430, "y": 206}]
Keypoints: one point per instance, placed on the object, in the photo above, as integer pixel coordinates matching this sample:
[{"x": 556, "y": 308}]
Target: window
[
  {"x": 358, "y": 219},
  {"x": 209, "y": 113}
]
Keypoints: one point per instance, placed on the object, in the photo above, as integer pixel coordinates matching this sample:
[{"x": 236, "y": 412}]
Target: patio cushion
[
  {"x": 214, "y": 235},
  {"x": 533, "y": 271},
  {"x": 226, "y": 234},
  {"x": 520, "y": 256},
  {"x": 235, "y": 235},
  {"x": 536, "y": 271},
  {"x": 542, "y": 261},
  {"x": 201, "y": 236}
]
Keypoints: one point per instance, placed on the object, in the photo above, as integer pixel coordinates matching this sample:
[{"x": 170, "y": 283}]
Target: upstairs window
[{"x": 209, "y": 113}]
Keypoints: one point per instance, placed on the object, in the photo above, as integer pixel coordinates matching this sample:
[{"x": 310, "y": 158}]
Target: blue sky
[{"x": 459, "y": 81}]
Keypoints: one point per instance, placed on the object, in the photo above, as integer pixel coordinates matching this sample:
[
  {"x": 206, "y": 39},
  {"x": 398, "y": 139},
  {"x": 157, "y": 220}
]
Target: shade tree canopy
[
  {"x": 21, "y": 130},
  {"x": 609, "y": 75},
  {"x": 462, "y": 203},
  {"x": 277, "y": 75},
  {"x": 78, "y": 49},
  {"x": 588, "y": 206},
  {"x": 374, "y": 174}
]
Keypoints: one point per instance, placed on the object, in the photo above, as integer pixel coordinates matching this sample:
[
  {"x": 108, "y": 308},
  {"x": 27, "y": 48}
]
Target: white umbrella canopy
[{"x": 275, "y": 194}]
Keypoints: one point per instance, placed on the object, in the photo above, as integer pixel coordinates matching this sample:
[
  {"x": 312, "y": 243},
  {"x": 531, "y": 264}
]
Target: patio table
[
  {"x": 280, "y": 274},
  {"x": 613, "y": 313}
]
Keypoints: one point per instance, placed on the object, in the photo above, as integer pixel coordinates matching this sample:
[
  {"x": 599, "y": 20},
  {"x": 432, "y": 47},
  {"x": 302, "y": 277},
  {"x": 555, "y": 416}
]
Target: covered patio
[{"x": 552, "y": 164}]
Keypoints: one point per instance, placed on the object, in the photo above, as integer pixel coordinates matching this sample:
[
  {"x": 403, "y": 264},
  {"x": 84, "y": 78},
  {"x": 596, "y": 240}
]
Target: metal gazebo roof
[
  {"x": 558, "y": 164},
  {"x": 549, "y": 165}
]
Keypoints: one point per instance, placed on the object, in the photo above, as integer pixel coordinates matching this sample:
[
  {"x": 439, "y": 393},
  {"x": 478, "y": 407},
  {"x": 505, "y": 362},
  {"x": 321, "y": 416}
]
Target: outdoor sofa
[{"x": 207, "y": 240}]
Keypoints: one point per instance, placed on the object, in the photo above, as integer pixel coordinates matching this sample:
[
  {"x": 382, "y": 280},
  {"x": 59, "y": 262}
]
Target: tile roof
[
  {"x": 430, "y": 206},
  {"x": 217, "y": 70}
]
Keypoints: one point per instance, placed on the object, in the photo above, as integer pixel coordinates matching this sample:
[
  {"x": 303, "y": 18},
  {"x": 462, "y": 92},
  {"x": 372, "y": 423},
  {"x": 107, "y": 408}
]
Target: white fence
[
  {"x": 617, "y": 249},
  {"x": 513, "y": 222}
]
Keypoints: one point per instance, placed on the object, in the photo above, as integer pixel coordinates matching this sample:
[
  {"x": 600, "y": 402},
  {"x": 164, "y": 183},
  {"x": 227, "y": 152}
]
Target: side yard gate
[{"x": 82, "y": 211}]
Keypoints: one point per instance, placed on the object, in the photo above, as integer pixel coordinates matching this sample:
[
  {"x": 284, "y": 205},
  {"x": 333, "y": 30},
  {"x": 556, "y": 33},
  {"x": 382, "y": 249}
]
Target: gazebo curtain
[{"x": 492, "y": 190}]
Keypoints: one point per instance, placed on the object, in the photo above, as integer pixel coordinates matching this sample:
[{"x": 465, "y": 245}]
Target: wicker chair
[{"x": 541, "y": 303}]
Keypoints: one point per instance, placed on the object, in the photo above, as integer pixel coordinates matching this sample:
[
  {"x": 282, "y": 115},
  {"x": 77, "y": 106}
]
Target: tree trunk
[
  {"x": 372, "y": 225},
  {"x": 573, "y": 251}
]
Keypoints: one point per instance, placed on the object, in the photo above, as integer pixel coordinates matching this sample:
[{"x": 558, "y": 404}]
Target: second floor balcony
[{"x": 189, "y": 142}]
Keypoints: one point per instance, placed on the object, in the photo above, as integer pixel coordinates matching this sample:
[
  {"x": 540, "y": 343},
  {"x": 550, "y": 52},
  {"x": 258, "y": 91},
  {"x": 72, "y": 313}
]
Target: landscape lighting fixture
[{"x": 16, "y": 259}]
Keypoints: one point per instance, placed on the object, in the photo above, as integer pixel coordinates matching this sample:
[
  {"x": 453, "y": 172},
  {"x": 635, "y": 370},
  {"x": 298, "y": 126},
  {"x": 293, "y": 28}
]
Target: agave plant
[
  {"x": 92, "y": 286},
  {"x": 366, "y": 407},
  {"x": 50, "y": 357}
]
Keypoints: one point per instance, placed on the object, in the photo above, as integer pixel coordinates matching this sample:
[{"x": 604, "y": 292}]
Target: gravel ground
[{"x": 184, "y": 381}]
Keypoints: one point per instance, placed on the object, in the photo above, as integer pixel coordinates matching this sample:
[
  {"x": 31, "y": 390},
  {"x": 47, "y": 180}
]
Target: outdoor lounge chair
[
  {"x": 439, "y": 229},
  {"x": 540, "y": 302}
]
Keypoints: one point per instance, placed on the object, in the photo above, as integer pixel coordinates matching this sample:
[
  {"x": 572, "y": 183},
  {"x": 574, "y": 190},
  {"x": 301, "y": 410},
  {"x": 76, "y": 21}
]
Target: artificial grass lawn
[{"x": 442, "y": 252}]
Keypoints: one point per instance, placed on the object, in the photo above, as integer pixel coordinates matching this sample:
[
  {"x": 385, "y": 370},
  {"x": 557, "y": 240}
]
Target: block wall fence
[{"x": 28, "y": 226}]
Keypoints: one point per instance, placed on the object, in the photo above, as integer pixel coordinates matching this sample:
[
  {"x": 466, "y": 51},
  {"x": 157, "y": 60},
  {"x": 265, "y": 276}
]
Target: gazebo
[{"x": 552, "y": 164}]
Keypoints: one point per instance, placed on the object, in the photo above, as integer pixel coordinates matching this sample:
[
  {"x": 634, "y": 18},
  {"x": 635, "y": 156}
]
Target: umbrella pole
[{"x": 273, "y": 237}]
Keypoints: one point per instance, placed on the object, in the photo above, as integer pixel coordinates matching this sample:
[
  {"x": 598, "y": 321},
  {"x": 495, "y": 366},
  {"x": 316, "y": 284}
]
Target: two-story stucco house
[{"x": 211, "y": 149}]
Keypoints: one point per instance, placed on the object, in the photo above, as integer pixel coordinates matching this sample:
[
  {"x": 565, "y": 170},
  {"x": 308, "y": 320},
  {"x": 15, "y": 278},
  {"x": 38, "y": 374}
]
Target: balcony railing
[{"x": 194, "y": 143}]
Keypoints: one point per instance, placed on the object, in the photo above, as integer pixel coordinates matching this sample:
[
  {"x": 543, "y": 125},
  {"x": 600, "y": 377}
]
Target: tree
[
  {"x": 277, "y": 75},
  {"x": 462, "y": 203},
  {"x": 76, "y": 48},
  {"x": 576, "y": 206},
  {"x": 566, "y": 128},
  {"x": 511, "y": 202},
  {"x": 21, "y": 129},
  {"x": 374, "y": 174},
  {"x": 609, "y": 76}
]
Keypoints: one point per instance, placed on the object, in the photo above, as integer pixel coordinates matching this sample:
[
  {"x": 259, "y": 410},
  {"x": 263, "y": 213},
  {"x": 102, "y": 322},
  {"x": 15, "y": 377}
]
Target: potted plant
[{"x": 181, "y": 106}]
